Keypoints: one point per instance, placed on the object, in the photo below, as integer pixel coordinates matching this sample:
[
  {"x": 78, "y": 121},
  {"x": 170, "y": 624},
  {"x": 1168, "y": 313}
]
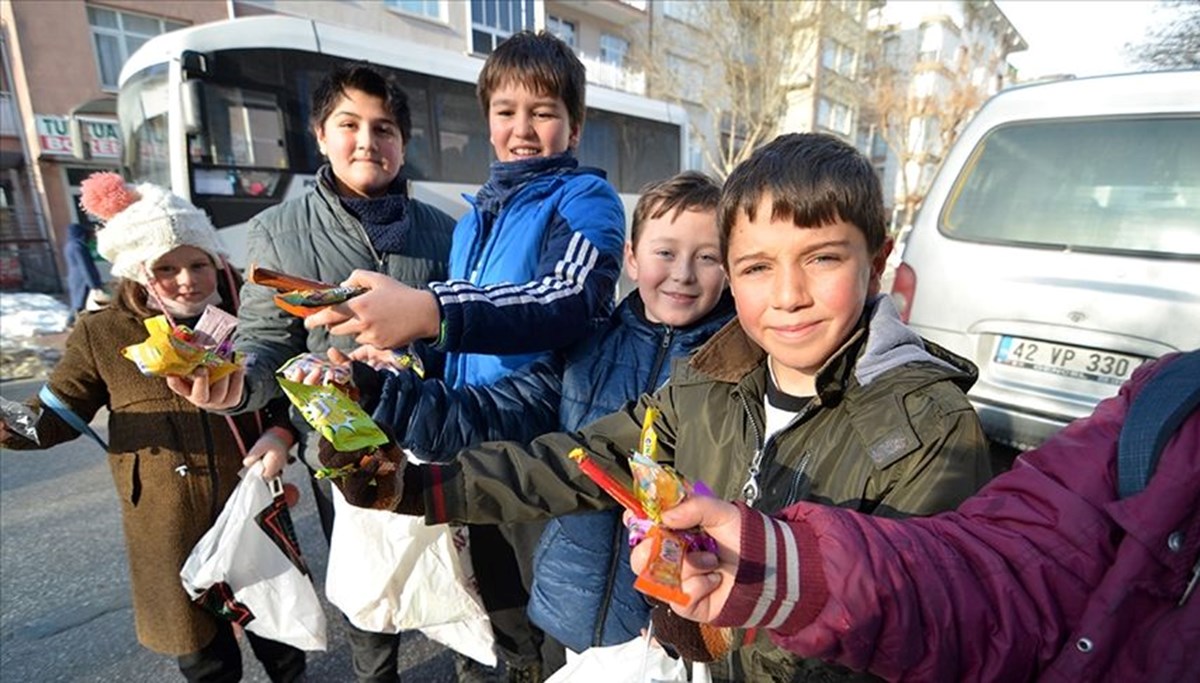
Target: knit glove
[
  {"x": 693, "y": 641},
  {"x": 370, "y": 477}
]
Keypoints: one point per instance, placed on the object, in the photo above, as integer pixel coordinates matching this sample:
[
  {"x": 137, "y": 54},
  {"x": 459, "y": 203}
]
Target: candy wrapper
[
  {"x": 300, "y": 296},
  {"x": 180, "y": 350},
  {"x": 360, "y": 457},
  {"x": 655, "y": 488},
  {"x": 329, "y": 407},
  {"x": 20, "y": 418}
]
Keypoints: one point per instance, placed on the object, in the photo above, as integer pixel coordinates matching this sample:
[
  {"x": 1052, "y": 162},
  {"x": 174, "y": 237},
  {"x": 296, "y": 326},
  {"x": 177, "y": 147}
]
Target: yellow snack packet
[
  {"x": 175, "y": 352},
  {"x": 331, "y": 412}
]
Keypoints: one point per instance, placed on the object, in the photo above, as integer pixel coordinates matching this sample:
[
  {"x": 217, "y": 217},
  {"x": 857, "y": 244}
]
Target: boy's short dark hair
[
  {"x": 687, "y": 191},
  {"x": 542, "y": 63},
  {"x": 365, "y": 78},
  {"x": 812, "y": 178}
]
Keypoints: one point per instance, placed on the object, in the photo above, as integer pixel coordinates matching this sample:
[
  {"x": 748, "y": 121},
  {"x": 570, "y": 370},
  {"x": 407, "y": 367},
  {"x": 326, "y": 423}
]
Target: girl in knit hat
[{"x": 173, "y": 464}]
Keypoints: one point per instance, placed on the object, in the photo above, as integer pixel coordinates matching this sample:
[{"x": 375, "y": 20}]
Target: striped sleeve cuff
[
  {"x": 443, "y": 493},
  {"x": 778, "y": 559}
]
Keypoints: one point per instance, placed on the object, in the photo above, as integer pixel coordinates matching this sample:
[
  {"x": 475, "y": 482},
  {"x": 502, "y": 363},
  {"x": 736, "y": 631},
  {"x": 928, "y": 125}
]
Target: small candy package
[
  {"x": 655, "y": 488},
  {"x": 20, "y": 418},
  {"x": 300, "y": 296},
  {"x": 334, "y": 413},
  {"x": 180, "y": 350}
]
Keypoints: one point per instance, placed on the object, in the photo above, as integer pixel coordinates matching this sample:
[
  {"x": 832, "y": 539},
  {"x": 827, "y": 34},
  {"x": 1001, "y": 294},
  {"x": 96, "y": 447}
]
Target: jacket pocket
[{"x": 125, "y": 476}]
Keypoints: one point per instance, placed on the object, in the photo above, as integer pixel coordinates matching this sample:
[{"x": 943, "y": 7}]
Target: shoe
[
  {"x": 470, "y": 671},
  {"x": 527, "y": 673}
]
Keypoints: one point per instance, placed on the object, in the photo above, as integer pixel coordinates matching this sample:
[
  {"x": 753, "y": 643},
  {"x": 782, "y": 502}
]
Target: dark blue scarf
[
  {"x": 506, "y": 177},
  {"x": 385, "y": 219}
]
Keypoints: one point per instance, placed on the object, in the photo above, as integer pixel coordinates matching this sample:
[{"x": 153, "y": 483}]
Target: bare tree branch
[{"x": 734, "y": 60}]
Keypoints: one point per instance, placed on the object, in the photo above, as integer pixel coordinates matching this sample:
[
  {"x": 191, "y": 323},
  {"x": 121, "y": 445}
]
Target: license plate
[{"x": 1065, "y": 360}]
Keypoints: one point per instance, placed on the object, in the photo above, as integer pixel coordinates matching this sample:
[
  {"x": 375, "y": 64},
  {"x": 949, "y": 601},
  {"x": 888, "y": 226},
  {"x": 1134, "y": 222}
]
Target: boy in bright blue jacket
[{"x": 582, "y": 591}]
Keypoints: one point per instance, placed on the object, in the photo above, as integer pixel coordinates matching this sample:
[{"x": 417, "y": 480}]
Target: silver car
[{"x": 1059, "y": 246}]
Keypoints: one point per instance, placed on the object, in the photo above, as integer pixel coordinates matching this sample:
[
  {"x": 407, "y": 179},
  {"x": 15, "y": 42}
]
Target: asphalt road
[{"x": 65, "y": 611}]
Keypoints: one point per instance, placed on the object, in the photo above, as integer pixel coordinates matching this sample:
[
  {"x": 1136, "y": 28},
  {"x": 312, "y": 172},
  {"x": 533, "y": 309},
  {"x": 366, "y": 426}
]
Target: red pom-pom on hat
[{"x": 104, "y": 195}]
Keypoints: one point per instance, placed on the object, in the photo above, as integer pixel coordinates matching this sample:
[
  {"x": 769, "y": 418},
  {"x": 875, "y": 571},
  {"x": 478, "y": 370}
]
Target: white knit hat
[{"x": 152, "y": 222}]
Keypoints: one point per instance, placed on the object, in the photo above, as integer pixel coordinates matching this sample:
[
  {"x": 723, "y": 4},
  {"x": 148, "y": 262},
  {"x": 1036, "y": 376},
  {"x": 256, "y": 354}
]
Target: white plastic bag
[
  {"x": 248, "y": 567},
  {"x": 389, "y": 573},
  {"x": 640, "y": 660}
]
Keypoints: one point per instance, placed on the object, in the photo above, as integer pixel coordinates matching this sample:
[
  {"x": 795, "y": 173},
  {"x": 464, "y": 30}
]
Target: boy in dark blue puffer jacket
[{"x": 582, "y": 590}]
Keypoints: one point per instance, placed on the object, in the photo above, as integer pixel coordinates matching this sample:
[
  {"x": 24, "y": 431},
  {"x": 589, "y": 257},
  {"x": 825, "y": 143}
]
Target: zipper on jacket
[
  {"x": 613, "y": 563},
  {"x": 750, "y": 490},
  {"x": 213, "y": 475},
  {"x": 659, "y": 359}
]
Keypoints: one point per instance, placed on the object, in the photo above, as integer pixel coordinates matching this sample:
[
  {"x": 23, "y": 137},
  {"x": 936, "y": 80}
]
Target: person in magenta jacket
[{"x": 1046, "y": 574}]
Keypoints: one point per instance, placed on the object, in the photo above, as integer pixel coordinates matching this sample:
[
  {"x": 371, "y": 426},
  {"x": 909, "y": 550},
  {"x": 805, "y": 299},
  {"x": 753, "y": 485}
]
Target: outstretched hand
[
  {"x": 707, "y": 578},
  {"x": 272, "y": 448},
  {"x": 389, "y": 315},
  {"x": 219, "y": 395}
]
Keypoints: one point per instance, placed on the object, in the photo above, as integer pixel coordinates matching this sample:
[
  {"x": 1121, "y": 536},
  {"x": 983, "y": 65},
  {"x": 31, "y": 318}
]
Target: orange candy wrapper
[
  {"x": 300, "y": 296},
  {"x": 656, "y": 488}
]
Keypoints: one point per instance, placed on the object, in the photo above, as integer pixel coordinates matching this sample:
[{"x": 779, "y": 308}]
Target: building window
[
  {"x": 839, "y": 58},
  {"x": 494, "y": 20},
  {"x": 117, "y": 35},
  {"x": 835, "y": 116},
  {"x": 562, "y": 28},
  {"x": 932, "y": 39},
  {"x": 680, "y": 10},
  {"x": 423, "y": 8},
  {"x": 613, "y": 49}
]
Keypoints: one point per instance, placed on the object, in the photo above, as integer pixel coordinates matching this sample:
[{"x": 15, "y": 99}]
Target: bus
[{"x": 219, "y": 113}]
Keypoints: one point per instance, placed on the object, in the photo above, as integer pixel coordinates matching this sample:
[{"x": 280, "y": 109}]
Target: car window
[{"x": 1104, "y": 184}]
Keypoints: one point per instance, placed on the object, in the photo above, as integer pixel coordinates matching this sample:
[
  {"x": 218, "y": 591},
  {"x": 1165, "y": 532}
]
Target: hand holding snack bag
[{"x": 360, "y": 457}]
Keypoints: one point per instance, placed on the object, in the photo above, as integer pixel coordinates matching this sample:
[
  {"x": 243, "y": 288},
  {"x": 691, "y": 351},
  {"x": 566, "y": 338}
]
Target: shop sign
[
  {"x": 103, "y": 137},
  {"x": 100, "y": 137},
  {"x": 54, "y": 135}
]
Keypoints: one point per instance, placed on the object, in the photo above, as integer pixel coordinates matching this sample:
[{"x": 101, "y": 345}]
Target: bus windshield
[{"x": 142, "y": 108}]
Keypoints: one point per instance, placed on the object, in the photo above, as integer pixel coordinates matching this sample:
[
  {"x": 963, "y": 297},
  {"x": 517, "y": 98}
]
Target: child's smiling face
[
  {"x": 677, "y": 266},
  {"x": 524, "y": 124},
  {"x": 799, "y": 290}
]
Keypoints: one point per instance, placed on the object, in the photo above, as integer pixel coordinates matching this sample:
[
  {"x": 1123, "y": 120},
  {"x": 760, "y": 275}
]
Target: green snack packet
[{"x": 340, "y": 420}]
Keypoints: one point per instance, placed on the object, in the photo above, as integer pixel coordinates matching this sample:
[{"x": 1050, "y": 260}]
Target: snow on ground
[{"x": 24, "y": 315}]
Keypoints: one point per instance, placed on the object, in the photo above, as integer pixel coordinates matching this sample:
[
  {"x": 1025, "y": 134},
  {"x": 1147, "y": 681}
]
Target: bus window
[
  {"x": 418, "y": 155},
  {"x": 600, "y": 145},
  {"x": 142, "y": 108},
  {"x": 245, "y": 129},
  {"x": 462, "y": 134}
]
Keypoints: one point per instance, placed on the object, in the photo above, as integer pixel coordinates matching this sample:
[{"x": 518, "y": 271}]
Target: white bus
[{"x": 219, "y": 113}]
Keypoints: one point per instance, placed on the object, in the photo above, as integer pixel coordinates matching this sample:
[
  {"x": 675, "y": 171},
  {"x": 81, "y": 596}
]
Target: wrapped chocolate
[
  {"x": 178, "y": 351},
  {"x": 300, "y": 296}
]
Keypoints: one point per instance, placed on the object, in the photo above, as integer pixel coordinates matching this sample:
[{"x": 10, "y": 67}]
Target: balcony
[
  {"x": 609, "y": 75},
  {"x": 8, "y": 115},
  {"x": 619, "y": 12}
]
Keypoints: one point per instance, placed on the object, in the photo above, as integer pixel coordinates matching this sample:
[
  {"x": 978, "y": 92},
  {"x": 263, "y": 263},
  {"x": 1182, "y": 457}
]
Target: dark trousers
[
  {"x": 221, "y": 660},
  {"x": 502, "y": 557},
  {"x": 375, "y": 655}
]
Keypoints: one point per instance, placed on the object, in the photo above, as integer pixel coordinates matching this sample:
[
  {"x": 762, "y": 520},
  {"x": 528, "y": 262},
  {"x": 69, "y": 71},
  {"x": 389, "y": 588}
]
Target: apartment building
[{"x": 944, "y": 58}]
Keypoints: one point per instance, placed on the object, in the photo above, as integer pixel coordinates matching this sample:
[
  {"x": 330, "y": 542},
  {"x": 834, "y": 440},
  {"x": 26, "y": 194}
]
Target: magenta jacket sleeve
[{"x": 991, "y": 591}]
